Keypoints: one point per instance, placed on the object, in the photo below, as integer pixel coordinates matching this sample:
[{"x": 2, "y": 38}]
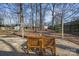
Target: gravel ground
[
  {"x": 66, "y": 48},
  {"x": 12, "y": 46}
]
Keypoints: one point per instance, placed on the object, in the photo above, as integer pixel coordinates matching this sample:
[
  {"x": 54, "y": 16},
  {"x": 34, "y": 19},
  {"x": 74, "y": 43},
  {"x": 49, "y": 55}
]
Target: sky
[{"x": 8, "y": 12}]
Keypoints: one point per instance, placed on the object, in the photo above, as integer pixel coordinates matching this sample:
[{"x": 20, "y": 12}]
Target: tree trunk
[
  {"x": 32, "y": 22},
  {"x": 36, "y": 25},
  {"x": 62, "y": 24},
  {"x": 40, "y": 16},
  {"x": 53, "y": 16},
  {"x": 21, "y": 20}
]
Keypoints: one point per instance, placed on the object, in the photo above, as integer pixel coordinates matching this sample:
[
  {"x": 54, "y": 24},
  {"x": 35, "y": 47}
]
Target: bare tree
[
  {"x": 53, "y": 5},
  {"x": 43, "y": 15},
  {"x": 40, "y": 16},
  {"x": 21, "y": 19},
  {"x": 32, "y": 21},
  {"x": 62, "y": 19},
  {"x": 36, "y": 17}
]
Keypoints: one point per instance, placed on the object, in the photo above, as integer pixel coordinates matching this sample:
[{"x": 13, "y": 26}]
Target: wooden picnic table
[{"x": 41, "y": 42}]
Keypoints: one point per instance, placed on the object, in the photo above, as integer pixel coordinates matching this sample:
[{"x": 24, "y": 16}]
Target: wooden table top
[{"x": 33, "y": 35}]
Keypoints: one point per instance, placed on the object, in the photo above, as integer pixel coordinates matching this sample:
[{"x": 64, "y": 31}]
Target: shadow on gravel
[
  {"x": 14, "y": 52},
  {"x": 76, "y": 50},
  {"x": 11, "y": 53},
  {"x": 8, "y": 44}
]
